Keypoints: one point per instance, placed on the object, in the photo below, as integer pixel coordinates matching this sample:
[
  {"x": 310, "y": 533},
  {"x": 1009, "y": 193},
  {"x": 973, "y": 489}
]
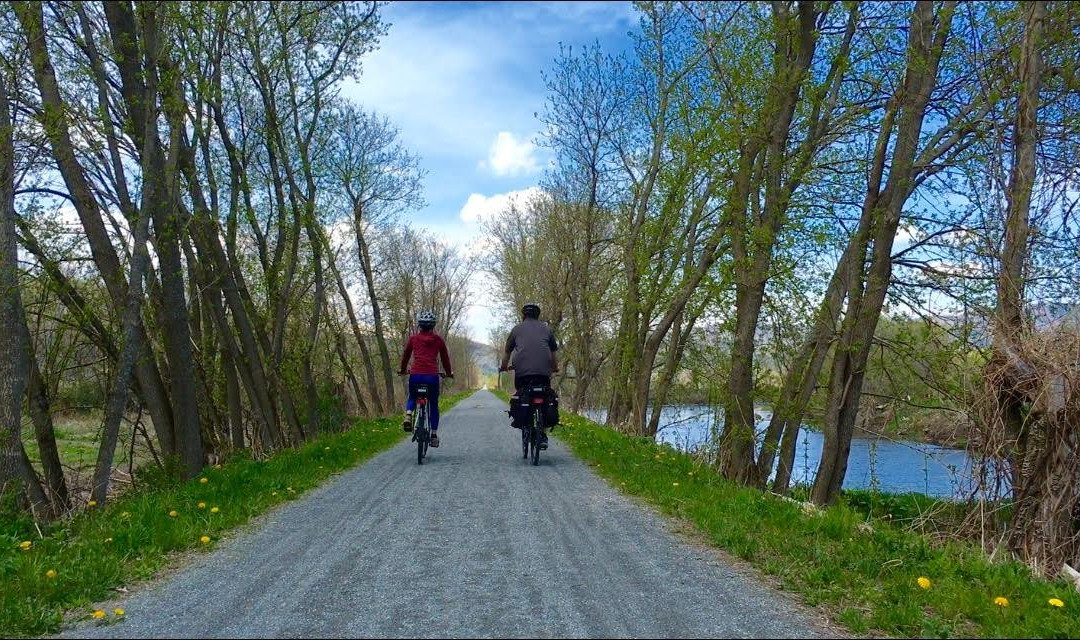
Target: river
[{"x": 890, "y": 466}]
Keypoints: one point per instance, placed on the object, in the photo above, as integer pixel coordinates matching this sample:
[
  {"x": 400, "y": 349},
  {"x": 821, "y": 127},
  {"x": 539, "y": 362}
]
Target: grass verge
[
  {"x": 865, "y": 571},
  {"x": 74, "y": 563}
]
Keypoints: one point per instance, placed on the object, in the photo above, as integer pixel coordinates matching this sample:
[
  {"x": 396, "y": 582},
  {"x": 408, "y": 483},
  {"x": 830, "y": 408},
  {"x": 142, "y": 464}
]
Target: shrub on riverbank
[
  {"x": 78, "y": 561},
  {"x": 865, "y": 570}
]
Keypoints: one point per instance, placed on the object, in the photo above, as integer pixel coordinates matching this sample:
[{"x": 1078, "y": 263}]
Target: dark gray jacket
[{"x": 531, "y": 342}]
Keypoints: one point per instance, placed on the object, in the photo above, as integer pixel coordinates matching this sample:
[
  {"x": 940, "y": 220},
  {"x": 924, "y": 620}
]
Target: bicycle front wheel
[{"x": 421, "y": 436}]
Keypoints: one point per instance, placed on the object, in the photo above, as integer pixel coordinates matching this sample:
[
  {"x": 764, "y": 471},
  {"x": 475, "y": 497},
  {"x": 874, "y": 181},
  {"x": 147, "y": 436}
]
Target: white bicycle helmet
[{"x": 426, "y": 319}]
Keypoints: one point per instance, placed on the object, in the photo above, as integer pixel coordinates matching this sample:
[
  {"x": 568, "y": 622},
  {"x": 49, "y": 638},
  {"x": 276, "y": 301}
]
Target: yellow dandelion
[
  {"x": 173, "y": 514},
  {"x": 118, "y": 611},
  {"x": 1056, "y": 602},
  {"x": 674, "y": 484},
  {"x": 50, "y": 574},
  {"x": 125, "y": 514},
  {"x": 108, "y": 540},
  {"x": 273, "y": 493},
  {"x": 98, "y": 615},
  {"x": 25, "y": 545},
  {"x": 289, "y": 489},
  {"x": 202, "y": 505},
  {"x": 92, "y": 503},
  {"x": 326, "y": 448},
  {"x": 924, "y": 582},
  {"x": 205, "y": 539},
  {"x": 214, "y": 509},
  {"x": 204, "y": 480},
  {"x": 217, "y": 466},
  {"x": 1001, "y": 601}
]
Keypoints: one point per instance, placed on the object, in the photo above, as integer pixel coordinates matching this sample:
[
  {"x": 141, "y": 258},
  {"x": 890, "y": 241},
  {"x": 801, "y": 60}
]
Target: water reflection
[{"x": 874, "y": 463}]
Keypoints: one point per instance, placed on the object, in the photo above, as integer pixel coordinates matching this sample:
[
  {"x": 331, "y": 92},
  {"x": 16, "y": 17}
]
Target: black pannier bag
[
  {"x": 521, "y": 409},
  {"x": 520, "y": 412},
  {"x": 551, "y": 409}
]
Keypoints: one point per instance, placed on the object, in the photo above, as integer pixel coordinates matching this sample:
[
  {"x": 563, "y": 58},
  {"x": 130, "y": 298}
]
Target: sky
[{"x": 462, "y": 81}]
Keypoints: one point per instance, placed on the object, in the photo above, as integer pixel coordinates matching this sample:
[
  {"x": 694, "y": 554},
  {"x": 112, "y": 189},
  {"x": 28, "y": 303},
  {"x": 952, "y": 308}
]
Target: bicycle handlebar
[{"x": 441, "y": 375}]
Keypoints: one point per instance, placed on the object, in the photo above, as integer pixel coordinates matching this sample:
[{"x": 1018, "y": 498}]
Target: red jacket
[{"x": 424, "y": 347}]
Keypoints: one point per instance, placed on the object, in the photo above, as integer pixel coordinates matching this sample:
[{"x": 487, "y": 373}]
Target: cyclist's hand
[
  {"x": 402, "y": 373},
  {"x": 448, "y": 375}
]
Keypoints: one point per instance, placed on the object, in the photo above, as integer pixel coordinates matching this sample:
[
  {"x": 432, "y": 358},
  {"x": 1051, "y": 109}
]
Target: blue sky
[{"x": 462, "y": 81}]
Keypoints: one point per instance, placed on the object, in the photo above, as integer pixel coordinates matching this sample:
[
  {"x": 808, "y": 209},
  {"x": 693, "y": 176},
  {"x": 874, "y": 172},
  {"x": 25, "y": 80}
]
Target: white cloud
[
  {"x": 510, "y": 156},
  {"x": 906, "y": 234},
  {"x": 480, "y": 207}
]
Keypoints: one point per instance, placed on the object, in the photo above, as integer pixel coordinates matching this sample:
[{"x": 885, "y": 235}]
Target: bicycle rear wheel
[
  {"x": 525, "y": 443},
  {"x": 535, "y": 437}
]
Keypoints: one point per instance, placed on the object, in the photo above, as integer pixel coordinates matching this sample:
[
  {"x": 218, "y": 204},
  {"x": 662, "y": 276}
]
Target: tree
[{"x": 380, "y": 178}]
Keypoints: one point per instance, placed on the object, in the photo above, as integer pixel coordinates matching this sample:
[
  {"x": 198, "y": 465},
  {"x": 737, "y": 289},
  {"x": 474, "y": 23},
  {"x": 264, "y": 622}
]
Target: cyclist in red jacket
[{"x": 425, "y": 348}]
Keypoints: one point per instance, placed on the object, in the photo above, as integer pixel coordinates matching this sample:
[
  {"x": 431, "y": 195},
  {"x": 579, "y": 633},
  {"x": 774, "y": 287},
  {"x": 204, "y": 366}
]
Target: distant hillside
[{"x": 485, "y": 356}]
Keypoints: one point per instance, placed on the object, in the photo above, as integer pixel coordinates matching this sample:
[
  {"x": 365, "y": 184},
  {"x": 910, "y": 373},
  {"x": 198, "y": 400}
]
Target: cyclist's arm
[
  {"x": 510, "y": 343},
  {"x": 554, "y": 346},
  {"x": 405, "y": 356},
  {"x": 444, "y": 353}
]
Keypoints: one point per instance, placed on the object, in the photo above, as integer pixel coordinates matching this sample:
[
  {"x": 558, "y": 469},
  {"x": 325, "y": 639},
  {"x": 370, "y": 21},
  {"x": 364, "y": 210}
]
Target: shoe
[
  {"x": 407, "y": 422},
  {"x": 543, "y": 442},
  {"x": 434, "y": 439}
]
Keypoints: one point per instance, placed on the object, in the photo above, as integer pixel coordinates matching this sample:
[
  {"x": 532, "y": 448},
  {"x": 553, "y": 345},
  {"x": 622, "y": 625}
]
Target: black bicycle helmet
[{"x": 530, "y": 310}]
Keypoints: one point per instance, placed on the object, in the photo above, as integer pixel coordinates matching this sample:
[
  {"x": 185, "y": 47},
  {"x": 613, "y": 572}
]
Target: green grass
[
  {"x": 77, "y": 434},
  {"x": 866, "y": 577},
  {"x": 130, "y": 538}
]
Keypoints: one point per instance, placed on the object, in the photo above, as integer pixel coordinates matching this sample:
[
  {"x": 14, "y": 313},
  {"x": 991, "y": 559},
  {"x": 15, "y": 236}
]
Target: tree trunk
[
  {"x": 39, "y": 409},
  {"x": 16, "y": 474},
  {"x": 313, "y": 325},
  {"x": 927, "y": 38},
  {"x": 54, "y": 122},
  {"x": 376, "y": 314},
  {"x": 1011, "y": 324},
  {"x": 681, "y": 331},
  {"x": 141, "y": 101},
  {"x": 737, "y": 439},
  {"x": 801, "y": 379},
  {"x": 232, "y": 397},
  {"x": 1037, "y": 527},
  {"x": 152, "y": 191},
  {"x": 365, "y": 353},
  {"x": 765, "y": 161},
  {"x": 342, "y": 353}
]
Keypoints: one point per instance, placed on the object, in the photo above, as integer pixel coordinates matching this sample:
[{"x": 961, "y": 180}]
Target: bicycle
[
  {"x": 532, "y": 435},
  {"x": 421, "y": 420}
]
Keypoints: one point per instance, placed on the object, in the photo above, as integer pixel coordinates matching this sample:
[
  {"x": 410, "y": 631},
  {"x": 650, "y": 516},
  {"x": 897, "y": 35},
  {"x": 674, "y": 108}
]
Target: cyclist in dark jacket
[{"x": 532, "y": 345}]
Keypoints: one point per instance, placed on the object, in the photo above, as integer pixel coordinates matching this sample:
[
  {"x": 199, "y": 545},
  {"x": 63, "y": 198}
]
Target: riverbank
[
  {"x": 878, "y": 418},
  {"x": 69, "y": 564},
  {"x": 864, "y": 569},
  {"x": 880, "y": 463}
]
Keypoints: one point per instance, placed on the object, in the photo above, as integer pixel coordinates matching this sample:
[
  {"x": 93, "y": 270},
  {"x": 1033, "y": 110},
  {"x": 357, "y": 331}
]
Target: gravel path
[{"x": 474, "y": 543}]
